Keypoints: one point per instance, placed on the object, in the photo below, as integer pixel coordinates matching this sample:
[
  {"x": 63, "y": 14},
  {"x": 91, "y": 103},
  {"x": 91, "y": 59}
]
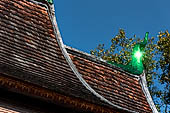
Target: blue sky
[{"x": 86, "y": 23}]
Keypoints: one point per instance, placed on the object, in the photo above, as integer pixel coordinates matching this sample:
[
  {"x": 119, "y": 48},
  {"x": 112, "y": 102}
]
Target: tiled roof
[
  {"x": 31, "y": 50},
  {"x": 118, "y": 87}
]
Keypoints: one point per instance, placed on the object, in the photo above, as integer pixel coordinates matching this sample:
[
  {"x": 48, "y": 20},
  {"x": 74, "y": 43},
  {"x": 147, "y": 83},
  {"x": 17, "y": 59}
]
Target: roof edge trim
[
  {"x": 147, "y": 93},
  {"x": 72, "y": 66}
]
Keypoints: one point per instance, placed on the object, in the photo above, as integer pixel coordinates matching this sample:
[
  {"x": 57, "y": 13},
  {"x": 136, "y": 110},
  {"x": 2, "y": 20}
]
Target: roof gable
[{"x": 32, "y": 51}]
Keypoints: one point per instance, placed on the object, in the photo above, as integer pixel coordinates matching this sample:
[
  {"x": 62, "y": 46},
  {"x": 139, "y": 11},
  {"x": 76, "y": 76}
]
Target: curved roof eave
[
  {"x": 146, "y": 92},
  {"x": 72, "y": 66}
]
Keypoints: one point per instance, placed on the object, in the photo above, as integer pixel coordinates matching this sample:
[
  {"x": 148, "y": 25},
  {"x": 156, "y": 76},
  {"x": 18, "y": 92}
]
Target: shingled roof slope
[
  {"x": 30, "y": 52},
  {"x": 114, "y": 84}
]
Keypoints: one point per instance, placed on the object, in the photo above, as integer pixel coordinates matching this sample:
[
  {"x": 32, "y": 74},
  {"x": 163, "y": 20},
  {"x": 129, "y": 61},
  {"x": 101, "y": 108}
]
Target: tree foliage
[
  {"x": 156, "y": 59},
  {"x": 163, "y": 46}
]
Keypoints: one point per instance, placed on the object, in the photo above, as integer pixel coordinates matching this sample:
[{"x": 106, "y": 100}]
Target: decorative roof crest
[{"x": 136, "y": 65}]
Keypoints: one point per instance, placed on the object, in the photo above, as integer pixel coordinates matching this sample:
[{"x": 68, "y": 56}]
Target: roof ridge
[{"x": 97, "y": 60}]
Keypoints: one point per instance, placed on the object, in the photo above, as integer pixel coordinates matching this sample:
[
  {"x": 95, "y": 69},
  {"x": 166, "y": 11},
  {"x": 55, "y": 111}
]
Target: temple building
[{"x": 39, "y": 74}]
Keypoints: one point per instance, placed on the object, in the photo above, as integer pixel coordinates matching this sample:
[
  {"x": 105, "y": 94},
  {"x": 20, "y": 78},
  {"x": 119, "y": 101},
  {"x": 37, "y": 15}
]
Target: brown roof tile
[
  {"x": 119, "y": 88},
  {"x": 29, "y": 50}
]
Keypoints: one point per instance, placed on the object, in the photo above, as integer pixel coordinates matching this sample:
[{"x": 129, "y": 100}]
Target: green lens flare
[
  {"x": 135, "y": 66},
  {"x": 138, "y": 55}
]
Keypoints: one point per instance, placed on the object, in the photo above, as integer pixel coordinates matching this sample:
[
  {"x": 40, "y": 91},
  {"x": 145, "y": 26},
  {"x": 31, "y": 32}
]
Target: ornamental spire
[
  {"x": 137, "y": 54},
  {"x": 136, "y": 65}
]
